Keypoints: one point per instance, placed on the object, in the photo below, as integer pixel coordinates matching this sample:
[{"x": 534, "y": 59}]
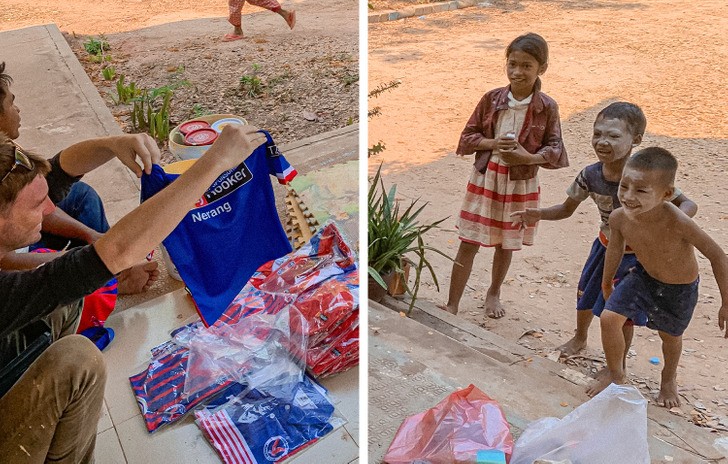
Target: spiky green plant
[{"x": 395, "y": 235}]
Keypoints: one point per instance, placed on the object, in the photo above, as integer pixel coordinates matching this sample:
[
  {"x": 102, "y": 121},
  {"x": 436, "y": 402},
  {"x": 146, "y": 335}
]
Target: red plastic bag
[{"x": 453, "y": 431}]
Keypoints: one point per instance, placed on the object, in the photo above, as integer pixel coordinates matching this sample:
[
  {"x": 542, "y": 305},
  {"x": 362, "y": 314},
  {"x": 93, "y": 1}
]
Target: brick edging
[{"x": 421, "y": 10}]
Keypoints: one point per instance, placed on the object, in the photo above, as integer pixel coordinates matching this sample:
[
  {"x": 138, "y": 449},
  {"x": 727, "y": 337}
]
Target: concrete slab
[
  {"x": 404, "y": 380},
  {"x": 59, "y": 106}
]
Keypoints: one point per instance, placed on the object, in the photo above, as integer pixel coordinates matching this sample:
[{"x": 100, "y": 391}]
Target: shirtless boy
[{"x": 664, "y": 284}]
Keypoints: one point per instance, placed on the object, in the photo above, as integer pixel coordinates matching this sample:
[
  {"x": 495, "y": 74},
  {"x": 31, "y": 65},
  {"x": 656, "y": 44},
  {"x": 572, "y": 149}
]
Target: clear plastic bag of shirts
[{"x": 262, "y": 349}]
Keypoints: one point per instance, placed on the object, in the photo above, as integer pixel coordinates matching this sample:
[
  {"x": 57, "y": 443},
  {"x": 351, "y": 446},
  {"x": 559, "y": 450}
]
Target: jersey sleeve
[
  {"x": 154, "y": 182},
  {"x": 579, "y": 189},
  {"x": 278, "y": 165}
]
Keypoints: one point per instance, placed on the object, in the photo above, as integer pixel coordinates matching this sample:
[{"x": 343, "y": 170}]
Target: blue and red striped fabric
[{"x": 268, "y": 427}]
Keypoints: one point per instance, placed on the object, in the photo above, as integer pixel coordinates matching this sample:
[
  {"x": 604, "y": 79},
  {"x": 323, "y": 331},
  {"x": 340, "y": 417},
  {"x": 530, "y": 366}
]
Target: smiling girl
[{"x": 513, "y": 131}]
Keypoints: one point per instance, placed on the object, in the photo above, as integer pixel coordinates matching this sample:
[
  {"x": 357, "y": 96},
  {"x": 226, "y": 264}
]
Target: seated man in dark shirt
[
  {"x": 80, "y": 217},
  {"x": 51, "y": 412}
]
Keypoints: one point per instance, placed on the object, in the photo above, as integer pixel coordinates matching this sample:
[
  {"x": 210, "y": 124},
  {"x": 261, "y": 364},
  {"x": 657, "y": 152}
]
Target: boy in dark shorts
[
  {"x": 663, "y": 287},
  {"x": 618, "y": 129}
]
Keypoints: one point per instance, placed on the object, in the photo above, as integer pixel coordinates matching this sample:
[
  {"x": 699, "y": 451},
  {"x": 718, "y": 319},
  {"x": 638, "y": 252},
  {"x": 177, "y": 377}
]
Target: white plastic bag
[{"x": 609, "y": 428}]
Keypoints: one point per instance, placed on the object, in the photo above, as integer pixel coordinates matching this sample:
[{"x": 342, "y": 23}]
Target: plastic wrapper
[
  {"x": 321, "y": 281},
  {"x": 609, "y": 428},
  {"x": 159, "y": 388},
  {"x": 259, "y": 350},
  {"x": 452, "y": 432},
  {"x": 270, "y": 424}
]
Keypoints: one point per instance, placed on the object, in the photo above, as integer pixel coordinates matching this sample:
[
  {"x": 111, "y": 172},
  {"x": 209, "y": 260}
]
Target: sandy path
[{"x": 667, "y": 56}]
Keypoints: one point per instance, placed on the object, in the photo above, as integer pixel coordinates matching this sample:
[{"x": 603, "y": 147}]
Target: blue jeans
[{"x": 84, "y": 205}]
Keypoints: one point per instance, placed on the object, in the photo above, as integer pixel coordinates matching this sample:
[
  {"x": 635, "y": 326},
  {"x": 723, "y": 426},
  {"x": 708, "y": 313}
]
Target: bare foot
[
  {"x": 572, "y": 347},
  {"x": 232, "y": 37},
  {"x": 448, "y": 309},
  {"x": 290, "y": 18},
  {"x": 668, "y": 396},
  {"x": 493, "y": 307},
  {"x": 138, "y": 278},
  {"x": 602, "y": 381}
]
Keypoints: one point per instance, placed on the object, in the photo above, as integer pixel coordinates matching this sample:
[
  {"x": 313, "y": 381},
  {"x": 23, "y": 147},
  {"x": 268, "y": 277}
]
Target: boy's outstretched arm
[
  {"x": 531, "y": 216},
  {"x": 718, "y": 261},
  {"x": 615, "y": 251},
  {"x": 686, "y": 205}
]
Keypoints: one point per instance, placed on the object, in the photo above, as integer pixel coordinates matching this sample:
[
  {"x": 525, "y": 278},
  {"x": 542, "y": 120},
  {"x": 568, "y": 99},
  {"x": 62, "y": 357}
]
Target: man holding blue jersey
[{"x": 50, "y": 412}]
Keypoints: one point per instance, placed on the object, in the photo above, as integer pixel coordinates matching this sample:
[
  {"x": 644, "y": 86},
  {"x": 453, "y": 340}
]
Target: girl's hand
[
  {"x": 517, "y": 156},
  {"x": 723, "y": 319},
  {"x": 529, "y": 217},
  {"x": 506, "y": 143}
]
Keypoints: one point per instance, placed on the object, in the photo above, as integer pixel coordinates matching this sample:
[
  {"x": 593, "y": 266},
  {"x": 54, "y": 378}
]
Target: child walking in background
[
  {"x": 513, "y": 131},
  {"x": 236, "y": 9},
  {"x": 618, "y": 129},
  {"x": 663, "y": 287}
]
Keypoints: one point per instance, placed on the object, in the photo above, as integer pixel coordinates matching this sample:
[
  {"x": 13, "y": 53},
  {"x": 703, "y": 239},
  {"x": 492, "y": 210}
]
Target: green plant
[
  {"x": 251, "y": 84},
  {"x": 151, "y": 109},
  {"x": 125, "y": 93},
  {"x": 109, "y": 73},
  {"x": 95, "y": 46},
  {"x": 395, "y": 235}
]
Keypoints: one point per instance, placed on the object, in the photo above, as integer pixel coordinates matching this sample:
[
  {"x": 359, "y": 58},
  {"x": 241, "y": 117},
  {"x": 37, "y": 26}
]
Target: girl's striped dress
[{"x": 491, "y": 197}]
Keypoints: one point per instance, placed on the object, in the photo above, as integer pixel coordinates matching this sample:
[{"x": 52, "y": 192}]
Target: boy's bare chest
[{"x": 655, "y": 242}]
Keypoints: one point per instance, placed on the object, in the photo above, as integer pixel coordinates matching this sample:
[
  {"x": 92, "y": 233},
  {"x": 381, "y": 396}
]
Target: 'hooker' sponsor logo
[{"x": 225, "y": 185}]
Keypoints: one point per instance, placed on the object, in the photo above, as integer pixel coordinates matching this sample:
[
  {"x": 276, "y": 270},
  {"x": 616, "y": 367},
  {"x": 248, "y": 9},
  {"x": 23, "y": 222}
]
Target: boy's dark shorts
[
  {"x": 668, "y": 307},
  {"x": 589, "y": 296}
]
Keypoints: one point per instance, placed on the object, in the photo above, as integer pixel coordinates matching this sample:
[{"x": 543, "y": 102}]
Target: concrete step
[{"x": 415, "y": 362}]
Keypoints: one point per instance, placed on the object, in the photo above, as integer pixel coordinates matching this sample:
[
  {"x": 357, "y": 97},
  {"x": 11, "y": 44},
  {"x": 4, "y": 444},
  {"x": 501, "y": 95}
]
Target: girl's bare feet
[
  {"x": 668, "y": 396},
  {"x": 493, "y": 307}
]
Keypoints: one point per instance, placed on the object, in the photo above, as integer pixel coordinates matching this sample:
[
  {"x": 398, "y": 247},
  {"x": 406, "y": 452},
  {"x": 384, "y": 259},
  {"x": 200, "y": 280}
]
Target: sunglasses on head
[{"x": 21, "y": 159}]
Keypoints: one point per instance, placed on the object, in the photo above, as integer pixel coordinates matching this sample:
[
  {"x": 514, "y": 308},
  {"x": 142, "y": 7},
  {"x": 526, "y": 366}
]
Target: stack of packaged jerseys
[
  {"x": 324, "y": 279},
  {"x": 299, "y": 310}
]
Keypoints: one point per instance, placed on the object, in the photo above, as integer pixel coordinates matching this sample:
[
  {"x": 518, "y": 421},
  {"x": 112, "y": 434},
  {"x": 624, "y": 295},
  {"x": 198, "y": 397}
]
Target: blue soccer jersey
[{"x": 232, "y": 230}]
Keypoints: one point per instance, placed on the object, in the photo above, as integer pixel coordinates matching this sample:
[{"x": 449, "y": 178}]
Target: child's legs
[
  {"x": 671, "y": 350},
  {"x": 614, "y": 343},
  {"x": 583, "y": 321},
  {"x": 501, "y": 263},
  {"x": 628, "y": 333},
  {"x": 235, "y": 8},
  {"x": 461, "y": 270}
]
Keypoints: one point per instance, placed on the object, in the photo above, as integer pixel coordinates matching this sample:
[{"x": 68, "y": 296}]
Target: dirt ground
[
  {"x": 667, "y": 56},
  {"x": 308, "y": 76}
]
